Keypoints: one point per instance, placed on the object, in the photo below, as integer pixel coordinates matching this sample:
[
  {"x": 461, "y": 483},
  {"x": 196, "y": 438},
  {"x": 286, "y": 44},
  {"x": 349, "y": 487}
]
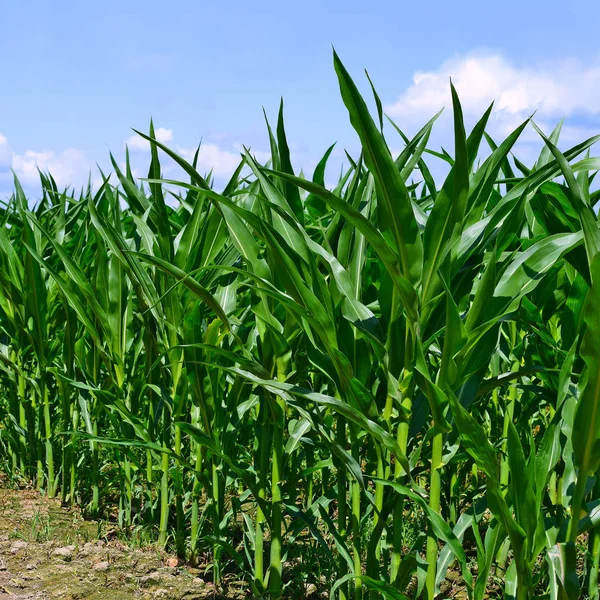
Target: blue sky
[{"x": 76, "y": 76}]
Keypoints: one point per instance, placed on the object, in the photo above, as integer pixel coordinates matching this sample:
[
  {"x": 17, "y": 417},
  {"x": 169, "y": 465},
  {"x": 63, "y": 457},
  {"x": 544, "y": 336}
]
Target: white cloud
[
  {"x": 72, "y": 168},
  {"x": 69, "y": 167},
  {"x": 559, "y": 90},
  {"x": 138, "y": 143},
  {"x": 5, "y": 154},
  {"x": 262, "y": 156},
  {"x": 566, "y": 89},
  {"x": 211, "y": 156}
]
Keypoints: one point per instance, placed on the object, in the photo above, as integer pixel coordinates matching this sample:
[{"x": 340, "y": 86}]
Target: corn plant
[{"x": 393, "y": 376}]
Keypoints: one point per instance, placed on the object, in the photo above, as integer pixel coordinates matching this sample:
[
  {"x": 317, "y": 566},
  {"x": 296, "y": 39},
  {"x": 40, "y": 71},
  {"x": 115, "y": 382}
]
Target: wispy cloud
[
  {"x": 139, "y": 144},
  {"x": 211, "y": 156},
  {"x": 566, "y": 90},
  {"x": 559, "y": 90},
  {"x": 221, "y": 159},
  {"x": 5, "y": 154},
  {"x": 69, "y": 167}
]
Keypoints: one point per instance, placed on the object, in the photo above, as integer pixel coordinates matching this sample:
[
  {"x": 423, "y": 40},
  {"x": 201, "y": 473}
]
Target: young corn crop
[{"x": 387, "y": 380}]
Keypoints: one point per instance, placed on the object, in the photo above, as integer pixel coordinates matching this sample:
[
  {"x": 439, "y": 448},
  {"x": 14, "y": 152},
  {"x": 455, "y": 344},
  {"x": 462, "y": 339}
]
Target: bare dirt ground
[{"x": 48, "y": 552}]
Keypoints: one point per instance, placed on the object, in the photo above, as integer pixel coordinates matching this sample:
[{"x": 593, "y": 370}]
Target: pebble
[
  {"x": 18, "y": 546},
  {"x": 150, "y": 579},
  {"x": 65, "y": 553},
  {"x": 172, "y": 562}
]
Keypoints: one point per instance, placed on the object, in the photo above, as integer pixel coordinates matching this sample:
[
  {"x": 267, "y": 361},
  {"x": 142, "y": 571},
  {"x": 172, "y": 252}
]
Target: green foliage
[{"x": 386, "y": 380}]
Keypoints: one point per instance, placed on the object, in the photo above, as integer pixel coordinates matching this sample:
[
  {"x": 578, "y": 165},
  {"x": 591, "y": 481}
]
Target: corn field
[{"x": 386, "y": 381}]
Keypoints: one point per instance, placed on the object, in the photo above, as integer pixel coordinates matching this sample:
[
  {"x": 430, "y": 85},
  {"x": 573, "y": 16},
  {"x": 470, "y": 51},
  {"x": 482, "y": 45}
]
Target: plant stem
[
  {"x": 217, "y": 516},
  {"x": 399, "y": 475},
  {"x": 263, "y": 462},
  {"x": 576, "y": 505},
  {"x": 48, "y": 436},
  {"x": 341, "y": 504},
  {"x": 434, "y": 504},
  {"x": 275, "y": 576},
  {"x": 356, "y": 537}
]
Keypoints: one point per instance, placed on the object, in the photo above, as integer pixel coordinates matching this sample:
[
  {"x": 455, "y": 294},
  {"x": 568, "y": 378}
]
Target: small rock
[
  {"x": 311, "y": 589},
  {"x": 172, "y": 562},
  {"x": 150, "y": 579},
  {"x": 198, "y": 581},
  {"x": 86, "y": 550},
  {"x": 31, "y": 566},
  {"x": 119, "y": 546},
  {"x": 2, "y": 565},
  {"x": 65, "y": 553},
  {"x": 101, "y": 566},
  {"x": 18, "y": 546}
]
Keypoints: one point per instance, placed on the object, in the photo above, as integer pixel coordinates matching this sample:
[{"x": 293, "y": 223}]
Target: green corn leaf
[
  {"x": 586, "y": 440},
  {"x": 396, "y": 217}
]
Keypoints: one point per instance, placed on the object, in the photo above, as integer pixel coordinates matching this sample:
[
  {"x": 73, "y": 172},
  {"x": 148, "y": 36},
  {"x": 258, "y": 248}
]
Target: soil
[{"x": 48, "y": 552}]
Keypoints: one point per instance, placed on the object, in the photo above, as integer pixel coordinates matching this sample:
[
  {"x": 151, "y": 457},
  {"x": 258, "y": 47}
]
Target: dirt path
[{"x": 48, "y": 552}]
